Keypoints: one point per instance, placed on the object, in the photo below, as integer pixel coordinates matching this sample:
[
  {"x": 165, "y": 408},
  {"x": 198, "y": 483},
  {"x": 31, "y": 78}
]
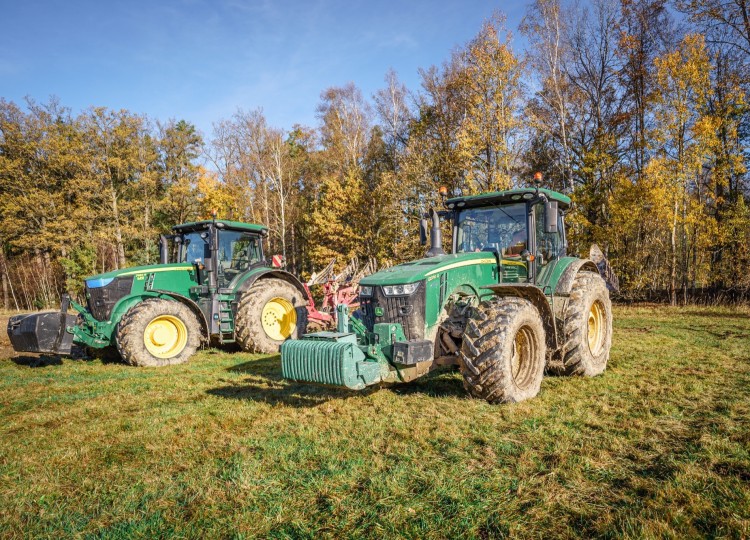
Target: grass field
[{"x": 223, "y": 447}]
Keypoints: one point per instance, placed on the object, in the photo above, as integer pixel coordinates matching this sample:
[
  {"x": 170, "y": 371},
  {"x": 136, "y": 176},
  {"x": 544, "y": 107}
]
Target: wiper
[{"x": 506, "y": 213}]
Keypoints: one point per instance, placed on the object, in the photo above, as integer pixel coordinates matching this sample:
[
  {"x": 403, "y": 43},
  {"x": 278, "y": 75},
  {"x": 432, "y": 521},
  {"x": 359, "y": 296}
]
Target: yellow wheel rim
[
  {"x": 524, "y": 350},
  {"x": 279, "y": 319},
  {"x": 165, "y": 336},
  {"x": 596, "y": 328}
]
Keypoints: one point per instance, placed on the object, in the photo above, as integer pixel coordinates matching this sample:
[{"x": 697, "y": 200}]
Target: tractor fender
[
  {"x": 565, "y": 283},
  {"x": 272, "y": 273},
  {"x": 126, "y": 303},
  {"x": 533, "y": 294},
  {"x": 193, "y": 307}
]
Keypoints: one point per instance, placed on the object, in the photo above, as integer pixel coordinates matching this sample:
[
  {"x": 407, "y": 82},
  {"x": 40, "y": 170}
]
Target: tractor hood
[
  {"x": 102, "y": 280},
  {"x": 423, "y": 268}
]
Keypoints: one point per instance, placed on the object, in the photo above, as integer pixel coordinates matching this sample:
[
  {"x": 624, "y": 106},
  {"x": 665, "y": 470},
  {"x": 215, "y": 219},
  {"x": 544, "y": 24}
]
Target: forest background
[{"x": 636, "y": 109}]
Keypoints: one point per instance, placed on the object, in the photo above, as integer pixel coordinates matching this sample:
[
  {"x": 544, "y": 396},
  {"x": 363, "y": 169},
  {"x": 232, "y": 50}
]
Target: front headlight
[
  {"x": 400, "y": 290},
  {"x": 365, "y": 290}
]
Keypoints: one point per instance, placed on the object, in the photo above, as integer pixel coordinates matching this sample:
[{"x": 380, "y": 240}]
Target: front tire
[
  {"x": 503, "y": 351},
  {"x": 587, "y": 327},
  {"x": 268, "y": 314},
  {"x": 157, "y": 333}
]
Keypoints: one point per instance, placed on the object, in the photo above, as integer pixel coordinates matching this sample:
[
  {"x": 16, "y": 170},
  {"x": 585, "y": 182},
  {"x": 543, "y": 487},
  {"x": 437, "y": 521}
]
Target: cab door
[{"x": 549, "y": 247}]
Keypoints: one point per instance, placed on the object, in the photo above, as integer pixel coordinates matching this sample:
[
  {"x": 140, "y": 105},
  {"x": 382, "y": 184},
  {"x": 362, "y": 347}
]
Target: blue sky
[{"x": 201, "y": 61}]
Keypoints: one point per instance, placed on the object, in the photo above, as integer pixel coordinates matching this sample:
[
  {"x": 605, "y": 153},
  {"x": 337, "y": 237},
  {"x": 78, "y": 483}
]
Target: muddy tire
[
  {"x": 586, "y": 328},
  {"x": 158, "y": 333},
  {"x": 269, "y": 313},
  {"x": 503, "y": 351}
]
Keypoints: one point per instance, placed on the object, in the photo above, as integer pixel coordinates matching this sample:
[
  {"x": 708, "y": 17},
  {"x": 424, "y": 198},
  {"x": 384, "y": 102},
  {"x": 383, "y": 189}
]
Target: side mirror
[
  {"x": 423, "y": 231},
  {"x": 550, "y": 217}
]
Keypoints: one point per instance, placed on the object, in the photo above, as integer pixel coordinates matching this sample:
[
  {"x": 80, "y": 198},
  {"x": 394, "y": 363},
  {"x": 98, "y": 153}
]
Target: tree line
[{"x": 636, "y": 109}]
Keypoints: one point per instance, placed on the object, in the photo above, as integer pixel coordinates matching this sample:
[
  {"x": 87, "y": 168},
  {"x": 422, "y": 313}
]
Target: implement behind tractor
[
  {"x": 507, "y": 304},
  {"x": 212, "y": 283},
  {"x": 338, "y": 289}
]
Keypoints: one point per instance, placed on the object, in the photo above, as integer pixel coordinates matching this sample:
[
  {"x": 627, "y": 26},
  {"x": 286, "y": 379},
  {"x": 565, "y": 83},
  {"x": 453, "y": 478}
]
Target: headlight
[
  {"x": 365, "y": 290},
  {"x": 399, "y": 290}
]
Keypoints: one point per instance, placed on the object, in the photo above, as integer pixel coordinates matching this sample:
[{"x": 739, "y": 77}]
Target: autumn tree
[{"x": 684, "y": 134}]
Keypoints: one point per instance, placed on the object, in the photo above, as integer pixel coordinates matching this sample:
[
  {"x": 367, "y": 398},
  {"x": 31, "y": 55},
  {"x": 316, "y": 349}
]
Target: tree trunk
[
  {"x": 673, "y": 248},
  {"x": 120, "y": 247},
  {"x": 6, "y": 303}
]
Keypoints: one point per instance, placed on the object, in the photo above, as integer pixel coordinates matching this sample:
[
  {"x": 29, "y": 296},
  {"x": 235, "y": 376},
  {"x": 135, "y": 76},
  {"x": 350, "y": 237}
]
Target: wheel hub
[
  {"x": 165, "y": 336},
  {"x": 279, "y": 319}
]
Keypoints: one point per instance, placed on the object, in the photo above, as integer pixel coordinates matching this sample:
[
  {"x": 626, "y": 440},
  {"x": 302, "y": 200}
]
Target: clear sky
[{"x": 201, "y": 60}]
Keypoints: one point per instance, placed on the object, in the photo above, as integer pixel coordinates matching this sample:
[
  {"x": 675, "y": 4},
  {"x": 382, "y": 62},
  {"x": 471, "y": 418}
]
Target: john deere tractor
[
  {"x": 212, "y": 283},
  {"x": 505, "y": 306}
]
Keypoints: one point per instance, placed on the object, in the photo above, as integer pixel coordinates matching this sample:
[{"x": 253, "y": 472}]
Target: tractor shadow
[
  {"x": 265, "y": 384},
  {"x": 39, "y": 361},
  {"x": 441, "y": 383}
]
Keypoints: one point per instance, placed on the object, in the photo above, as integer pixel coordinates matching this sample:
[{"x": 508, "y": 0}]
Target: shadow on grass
[
  {"x": 281, "y": 392},
  {"x": 439, "y": 384},
  {"x": 43, "y": 360},
  {"x": 264, "y": 366},
  {"x": 267, "y": 385}
]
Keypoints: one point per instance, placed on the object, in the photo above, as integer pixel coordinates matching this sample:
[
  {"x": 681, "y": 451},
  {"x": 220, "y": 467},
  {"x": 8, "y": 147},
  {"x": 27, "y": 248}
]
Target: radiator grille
[
  {"x": 409, "y": 311},
  {"x": 101, "y": 300}
]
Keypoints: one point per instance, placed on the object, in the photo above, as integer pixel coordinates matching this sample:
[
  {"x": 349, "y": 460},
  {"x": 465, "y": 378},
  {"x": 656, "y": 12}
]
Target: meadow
[{"x": 223, "y": 447}]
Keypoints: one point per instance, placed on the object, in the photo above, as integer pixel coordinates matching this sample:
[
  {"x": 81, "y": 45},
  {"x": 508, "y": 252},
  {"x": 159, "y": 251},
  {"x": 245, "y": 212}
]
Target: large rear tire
[
  {"x": 157, "y": 333},
  {"x": 587, "y": 327},
  {"x": 268, "y": 314},
  {"x": 503, "y": 351}
]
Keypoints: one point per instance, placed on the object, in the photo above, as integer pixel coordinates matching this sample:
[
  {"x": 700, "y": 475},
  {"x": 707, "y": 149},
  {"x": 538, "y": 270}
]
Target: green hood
[
  {"x": 100, "y": 280},
  {"x": 417, "y": 270}
]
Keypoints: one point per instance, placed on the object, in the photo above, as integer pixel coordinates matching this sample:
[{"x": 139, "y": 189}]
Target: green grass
[{"x": 223, "y": 447}]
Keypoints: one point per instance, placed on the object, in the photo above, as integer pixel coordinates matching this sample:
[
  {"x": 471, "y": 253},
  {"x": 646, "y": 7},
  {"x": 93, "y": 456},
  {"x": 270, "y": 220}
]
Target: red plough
[{"x": 338, "y": 289}]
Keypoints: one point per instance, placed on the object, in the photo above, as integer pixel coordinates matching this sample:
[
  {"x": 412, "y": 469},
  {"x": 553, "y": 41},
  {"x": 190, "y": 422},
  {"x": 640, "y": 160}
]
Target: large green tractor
[
  {"x": 212, "y": 283},
  {"x": 505, "y": 306}
]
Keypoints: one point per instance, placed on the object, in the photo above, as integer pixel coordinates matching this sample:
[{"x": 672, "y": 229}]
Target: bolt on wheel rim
[
  {"x": 165, "y": 336},
  {"x": 524, "y": 350},
  {"x": 596, "y": 328},
  {"x": 279, "y": 319}
]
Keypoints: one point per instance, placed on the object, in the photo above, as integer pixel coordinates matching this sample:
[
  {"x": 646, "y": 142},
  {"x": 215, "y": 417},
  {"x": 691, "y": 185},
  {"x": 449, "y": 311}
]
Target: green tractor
[
  {"x": 505, "y": 306},
  {"x": 211, "y": 283}
]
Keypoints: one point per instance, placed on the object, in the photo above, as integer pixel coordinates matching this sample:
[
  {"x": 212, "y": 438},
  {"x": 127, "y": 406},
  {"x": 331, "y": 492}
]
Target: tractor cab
[
  {"x": 223, "y": 248},
  {"x": 523, "y": 228}
]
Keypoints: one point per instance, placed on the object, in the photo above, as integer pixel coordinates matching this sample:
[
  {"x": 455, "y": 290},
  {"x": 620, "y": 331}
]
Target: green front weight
[{"x": 332, "y": 359}]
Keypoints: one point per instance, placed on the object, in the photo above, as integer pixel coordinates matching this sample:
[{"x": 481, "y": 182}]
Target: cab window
[
  {"x": 548, "y": 245},
  {"x": 237, "y": 252},
  {"x": 497, "y": 228},
  {"x": 194, "y": 247}
]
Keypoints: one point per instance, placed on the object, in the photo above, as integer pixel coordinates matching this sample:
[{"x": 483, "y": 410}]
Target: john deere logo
[{"x": 378, "y": 311}]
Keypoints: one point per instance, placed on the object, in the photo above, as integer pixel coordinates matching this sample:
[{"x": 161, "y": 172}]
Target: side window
[
  {"x": 548, "y": 245},
  {"x": 237, "y": 252}
]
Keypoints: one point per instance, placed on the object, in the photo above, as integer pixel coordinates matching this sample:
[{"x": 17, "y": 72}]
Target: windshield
[
  {"x": 500, "y": 228},
  {"x": 194, "y": 249}
]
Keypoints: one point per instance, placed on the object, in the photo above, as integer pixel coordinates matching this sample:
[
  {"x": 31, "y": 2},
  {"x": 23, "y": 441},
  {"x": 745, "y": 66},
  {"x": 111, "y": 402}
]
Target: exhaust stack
[{"x": 436, "y": 236}]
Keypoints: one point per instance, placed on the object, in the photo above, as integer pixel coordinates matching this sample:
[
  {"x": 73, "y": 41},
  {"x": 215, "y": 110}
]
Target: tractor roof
[
  {"x": 507, "y": 196},
  {"x": 222, "y": 224}
]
